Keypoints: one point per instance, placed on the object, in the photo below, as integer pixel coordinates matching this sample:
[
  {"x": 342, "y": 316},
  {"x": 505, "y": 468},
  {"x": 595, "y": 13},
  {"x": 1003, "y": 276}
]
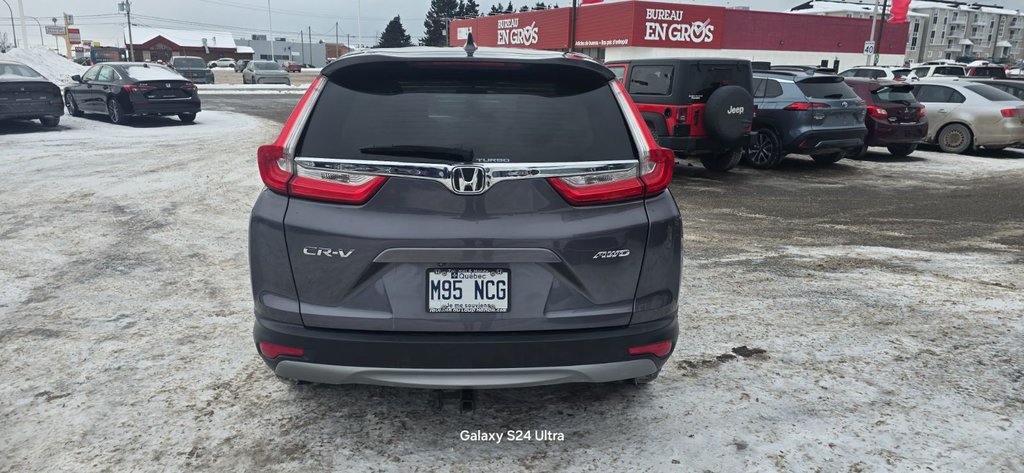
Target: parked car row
[
  {"x": 122, "y": 90},
  {"x": 704, "y": 108}
]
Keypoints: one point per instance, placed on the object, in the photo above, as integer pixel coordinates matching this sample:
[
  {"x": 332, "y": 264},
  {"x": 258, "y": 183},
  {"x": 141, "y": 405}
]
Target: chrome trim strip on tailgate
[
  {"x": 467, "y": 255},
  {"x": 442, "y": 173}
]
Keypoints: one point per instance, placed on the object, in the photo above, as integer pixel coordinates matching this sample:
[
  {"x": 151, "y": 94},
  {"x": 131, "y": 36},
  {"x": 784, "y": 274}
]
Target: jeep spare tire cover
[{"x": 728, "y": 115}]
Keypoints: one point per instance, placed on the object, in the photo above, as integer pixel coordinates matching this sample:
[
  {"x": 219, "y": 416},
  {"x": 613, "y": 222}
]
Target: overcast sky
[{"x": 98, "y": 19}]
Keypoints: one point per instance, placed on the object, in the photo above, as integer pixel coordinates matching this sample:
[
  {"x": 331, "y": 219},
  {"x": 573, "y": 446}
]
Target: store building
[
  {"x": 286, "y": 50},
  {"x": 152, "y": 44},
  {"x": 640, "y": 29}
]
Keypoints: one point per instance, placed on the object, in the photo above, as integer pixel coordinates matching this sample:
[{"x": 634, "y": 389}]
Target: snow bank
[{"x": 51, "y": 65}]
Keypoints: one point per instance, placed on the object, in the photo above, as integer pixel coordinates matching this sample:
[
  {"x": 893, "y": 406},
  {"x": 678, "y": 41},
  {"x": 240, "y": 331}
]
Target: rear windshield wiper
[{"x": 433, "y": 153}]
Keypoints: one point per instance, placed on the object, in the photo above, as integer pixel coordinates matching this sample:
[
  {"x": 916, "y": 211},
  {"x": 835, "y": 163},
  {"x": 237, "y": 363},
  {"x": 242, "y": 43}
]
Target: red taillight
[
  {"x": 899, "y": 78},
  {"x": 655, "y": 173},
  {"x": 878, "y": 112},
  {"x": 920, "y": 112},
  {"x": 273, "y": 350},
  {"x": 660, "y": 349},
  {"x": 1010, "y": 112},
  {"x": 189, "y": 87},
  {"x": 803, "y": 106},
  {"x": 137, "y": 88},
  {"x": 282, "y": 175}
]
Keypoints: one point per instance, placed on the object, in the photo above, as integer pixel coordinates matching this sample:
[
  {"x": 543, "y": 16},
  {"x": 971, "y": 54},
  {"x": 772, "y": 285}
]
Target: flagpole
[{"x": 881, "y": 29}]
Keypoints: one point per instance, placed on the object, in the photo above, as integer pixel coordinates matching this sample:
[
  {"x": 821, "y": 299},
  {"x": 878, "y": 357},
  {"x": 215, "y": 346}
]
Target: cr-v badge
[{"x": 328, "y": 252}]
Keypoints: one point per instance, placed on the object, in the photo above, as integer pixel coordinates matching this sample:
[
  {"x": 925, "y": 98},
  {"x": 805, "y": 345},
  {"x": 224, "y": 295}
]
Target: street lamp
[
  {"x": 41, "y": 41},
  {"x": 12, "y": 23},
  {"x": 270, "y": 24}
]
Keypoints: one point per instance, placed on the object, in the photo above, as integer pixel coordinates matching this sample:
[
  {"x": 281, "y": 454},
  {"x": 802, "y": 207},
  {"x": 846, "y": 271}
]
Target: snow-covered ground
[
  {"x": 56, "y": 68},
  {"x": 125, "y": 322}
]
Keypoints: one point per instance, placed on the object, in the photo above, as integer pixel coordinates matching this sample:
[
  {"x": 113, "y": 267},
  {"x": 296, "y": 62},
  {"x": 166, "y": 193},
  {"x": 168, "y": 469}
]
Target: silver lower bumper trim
[{"x": 465, "y": 378}]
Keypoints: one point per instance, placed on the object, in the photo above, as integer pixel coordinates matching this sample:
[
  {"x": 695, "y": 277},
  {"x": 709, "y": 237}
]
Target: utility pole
[
  {"x": 302, "y": 47},
  {"x": 67, "y": 34},
  {"x": 572, "y": 28},
  {"x": 270, "y": 25},
  {"x": 359, "y": 22},
  {"x": 309, "y": 35},
  {"x": 335, "y": 39},
  {"x": 126, "y": 7},
  {"x": 881, "y": 29}
]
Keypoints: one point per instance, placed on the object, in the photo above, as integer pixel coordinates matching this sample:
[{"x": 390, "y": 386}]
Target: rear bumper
[
  {"x": 882, "y": 133},
  {"x": 465, "y": 360},
  {"x": 31, "y": 111},
  {"x": 165, "y": 108},
  {"x": 697, "y": 145},
  {"x": 827, "y": 140},
  {"x": 273, "y": 80}
]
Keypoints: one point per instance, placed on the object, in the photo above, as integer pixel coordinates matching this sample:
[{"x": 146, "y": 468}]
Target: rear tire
[
  {"x": 831, "y": 158},
  {"x": 187, "y": 117},
  {"x": 765, "y": 152},
  {"x": 955, "y": 138},
  {"x": 902, "y": 150},
  {"x": 722, "y": 162},
  {"x": 50, "y": 121},
  {"x": 115, "y": 112},
  {"x": 72, "y": 105}
]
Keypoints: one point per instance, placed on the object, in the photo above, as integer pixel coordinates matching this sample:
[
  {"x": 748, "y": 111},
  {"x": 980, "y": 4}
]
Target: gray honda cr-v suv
[{"x": 478, "y": 218}]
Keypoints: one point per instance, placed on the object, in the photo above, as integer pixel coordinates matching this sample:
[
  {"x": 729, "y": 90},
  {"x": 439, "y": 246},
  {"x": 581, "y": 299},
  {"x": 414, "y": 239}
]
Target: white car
[
  {"x": 880, "y": 72},
  {"x": 939, "y": 71},
  {"x": 222, "y": 62}
]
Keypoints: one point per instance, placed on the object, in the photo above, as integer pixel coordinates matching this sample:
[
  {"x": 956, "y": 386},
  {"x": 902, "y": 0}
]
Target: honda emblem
[{"x": 469, "y": 180}]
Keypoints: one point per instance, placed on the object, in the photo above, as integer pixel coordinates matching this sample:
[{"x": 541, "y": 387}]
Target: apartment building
[{"x": 942, "y": 29}]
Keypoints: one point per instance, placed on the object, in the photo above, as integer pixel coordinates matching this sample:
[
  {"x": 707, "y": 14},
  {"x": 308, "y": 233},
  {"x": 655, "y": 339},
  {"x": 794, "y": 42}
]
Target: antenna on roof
[{"x": 470, "y": 45}]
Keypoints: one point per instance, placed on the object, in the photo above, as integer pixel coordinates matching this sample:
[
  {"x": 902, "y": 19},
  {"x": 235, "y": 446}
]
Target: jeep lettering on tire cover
[{"x": 728, "y": 115}]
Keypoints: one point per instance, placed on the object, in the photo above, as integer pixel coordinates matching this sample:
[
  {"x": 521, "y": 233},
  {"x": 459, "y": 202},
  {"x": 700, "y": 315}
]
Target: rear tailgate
[
  {"x": 436, "y": 249},
  {"x": 837, "y": 106}
]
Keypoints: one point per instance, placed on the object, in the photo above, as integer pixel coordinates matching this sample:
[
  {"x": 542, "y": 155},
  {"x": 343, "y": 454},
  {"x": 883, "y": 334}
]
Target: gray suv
[
  {"x": 478, "y": 218},
  {"x": 807, "y": 113}
]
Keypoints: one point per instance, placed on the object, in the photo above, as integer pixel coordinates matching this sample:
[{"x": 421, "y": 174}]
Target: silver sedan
[
  {"x": 967, "y": 115},
  {"x": 265, "y": 72}
]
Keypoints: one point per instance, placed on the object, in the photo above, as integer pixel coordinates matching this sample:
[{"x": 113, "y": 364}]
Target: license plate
[{"x": 467, "y": 290}]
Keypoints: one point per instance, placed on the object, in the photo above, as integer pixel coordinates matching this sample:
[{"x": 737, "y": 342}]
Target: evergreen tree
[
  {"x": 471, "y": 10},
  {"x": 435, "y": 27},
  {"x": 524, "y": 8},
  {"x": 510, "y": 8},
  {"x": 394, "y": 35},
  {"x": 495, "y": 10},
  {"x": 540, "y": 6}
]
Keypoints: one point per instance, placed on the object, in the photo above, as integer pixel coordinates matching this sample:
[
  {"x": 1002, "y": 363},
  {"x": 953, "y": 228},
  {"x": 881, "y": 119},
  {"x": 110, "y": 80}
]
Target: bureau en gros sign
[
  {"x": 509, "y": 32},
  {"x": 667, "y": 25}
]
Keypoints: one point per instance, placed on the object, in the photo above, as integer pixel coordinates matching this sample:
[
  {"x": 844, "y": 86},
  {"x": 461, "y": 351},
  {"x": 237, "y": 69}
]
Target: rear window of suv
[
  {"x": 528, "y": 113},
  {"x": 898, "y": 94},
  {"x": 704, "y": 78},
  {"x": 825, "y": 88},
  {"x": 188, "y": 63},
  {"x": 651, "y": 80}
]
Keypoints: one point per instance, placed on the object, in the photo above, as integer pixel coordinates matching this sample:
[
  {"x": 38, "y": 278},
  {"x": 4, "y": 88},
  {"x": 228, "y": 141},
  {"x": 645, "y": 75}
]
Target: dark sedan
[
  {"x": 122, "y": 90},
  {"x": 895, "y": 118},
  {"x": 27, "y": 95}
]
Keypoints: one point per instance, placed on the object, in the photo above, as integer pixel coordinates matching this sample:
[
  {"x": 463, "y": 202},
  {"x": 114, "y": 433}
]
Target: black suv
[
  {"x": 807, "y": 113},
  {"x": 440, "y": 217},
  {"x": 192, "y": 68},
  {"x": 700, "y": 107}
]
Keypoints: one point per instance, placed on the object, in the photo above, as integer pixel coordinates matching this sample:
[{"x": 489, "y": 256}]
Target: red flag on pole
[{"x": 899, "y": 11}]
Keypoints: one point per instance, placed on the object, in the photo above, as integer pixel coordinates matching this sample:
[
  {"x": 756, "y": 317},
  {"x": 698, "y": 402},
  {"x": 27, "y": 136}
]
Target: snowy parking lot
[{"x": 862, "y": 317}]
